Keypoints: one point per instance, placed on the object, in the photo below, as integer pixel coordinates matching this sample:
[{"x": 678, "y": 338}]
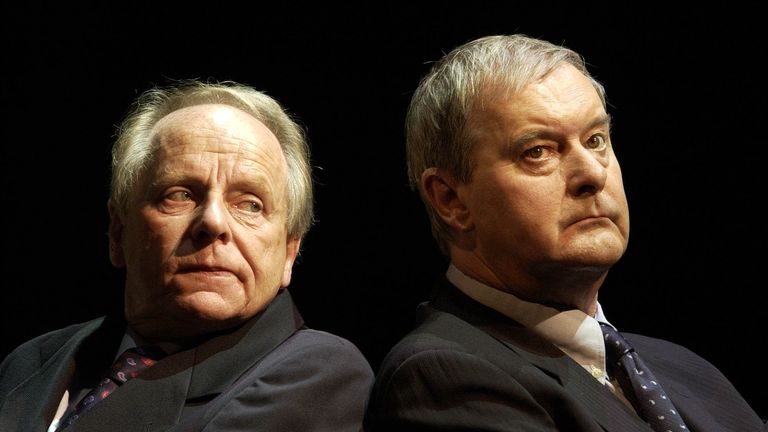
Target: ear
[
  {"x": 291, "y": 250},
  {"x": 441, "y": 190},
  {"x": 116, "y": 226}
]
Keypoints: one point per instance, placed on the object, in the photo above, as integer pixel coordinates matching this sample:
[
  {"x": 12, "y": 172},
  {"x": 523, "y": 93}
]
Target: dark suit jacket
[
  {"x": 469, "y": 368},
  {"x": 271, "y": 374}
]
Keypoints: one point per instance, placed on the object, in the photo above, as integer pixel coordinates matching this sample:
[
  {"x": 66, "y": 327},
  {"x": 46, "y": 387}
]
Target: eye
[
  {"x": 249, "y": 206},
  {"x": 596, "y": 142},
  {"x": 537, "y": 152},
  {"x": 179, "y": 196}
]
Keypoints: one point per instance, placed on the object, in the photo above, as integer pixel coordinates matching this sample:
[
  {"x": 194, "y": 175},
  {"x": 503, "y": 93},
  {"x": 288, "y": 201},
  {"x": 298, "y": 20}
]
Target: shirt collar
[
  {"x": 577, "y": 334},
  {"x": 131, "y": 339}
]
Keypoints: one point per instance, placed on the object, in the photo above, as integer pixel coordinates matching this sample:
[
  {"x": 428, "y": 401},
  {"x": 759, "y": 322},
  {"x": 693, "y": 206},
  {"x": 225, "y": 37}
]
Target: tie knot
[
  {"x": 127, "y": 366},
  {"x": 615, "y": 344},
  {"x": 133, "y": 361},
  {"x": 149, "y": 351}
]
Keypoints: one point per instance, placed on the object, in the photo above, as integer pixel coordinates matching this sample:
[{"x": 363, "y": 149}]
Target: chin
[
  {"x": 598, "y": 253},
  {"x": 206, "y": 306},
  {"x": 214, "y": 306}
]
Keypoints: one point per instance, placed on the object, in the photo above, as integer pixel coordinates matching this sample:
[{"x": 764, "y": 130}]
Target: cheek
[
  {"x": 264, "y": 256},
  {"x": 615, "y": 180},
  {"x": 522, "y": 208},
  {"x": 153, "y": 241},
  {"x": 615, "y": 188},
  {"x": 537, "y": 202},
  {"x": 514, "y": 201}
]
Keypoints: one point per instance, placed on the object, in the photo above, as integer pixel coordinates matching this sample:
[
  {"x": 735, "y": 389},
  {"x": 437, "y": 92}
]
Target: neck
[
  {"x": 559, "y": 286},
  {"x": 181, "y": 334}
]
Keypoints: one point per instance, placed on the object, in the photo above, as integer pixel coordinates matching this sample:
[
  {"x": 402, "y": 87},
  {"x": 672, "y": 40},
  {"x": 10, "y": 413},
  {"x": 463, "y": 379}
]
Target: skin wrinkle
[
  {"x": 207, "y": 261},
  {"x": 539, "y": 239}
]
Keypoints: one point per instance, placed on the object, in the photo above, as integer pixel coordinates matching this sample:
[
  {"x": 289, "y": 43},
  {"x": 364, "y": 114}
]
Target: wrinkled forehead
[
  {"x": 202, "y": 135},
  {"x": 216, "y": 128},
  {"x": 504, "y": 91},
  {"x": 219, "y": 120}
]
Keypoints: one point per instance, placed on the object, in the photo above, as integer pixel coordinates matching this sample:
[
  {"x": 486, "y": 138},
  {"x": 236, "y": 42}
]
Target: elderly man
[
  {"x": 508, "y": 142},
  {"x": 211, "y": 195}
]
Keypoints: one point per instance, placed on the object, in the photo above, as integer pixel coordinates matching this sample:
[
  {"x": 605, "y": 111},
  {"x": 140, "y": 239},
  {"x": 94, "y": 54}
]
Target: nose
[
  {"x": 587, "y": 172},
  {"x": 211, "y": 222}
]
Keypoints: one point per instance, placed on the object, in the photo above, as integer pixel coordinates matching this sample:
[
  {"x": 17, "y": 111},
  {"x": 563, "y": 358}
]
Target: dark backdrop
[{"x": 685, "y": 90}]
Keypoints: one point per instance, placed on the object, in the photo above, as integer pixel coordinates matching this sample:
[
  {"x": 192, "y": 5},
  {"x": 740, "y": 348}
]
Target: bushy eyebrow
[
  {"x": 251, "y": 181},
  {"x": 603, "y": 120}
]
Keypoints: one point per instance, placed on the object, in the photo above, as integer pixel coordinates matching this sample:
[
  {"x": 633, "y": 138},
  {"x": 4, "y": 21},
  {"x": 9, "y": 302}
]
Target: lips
[
  {"x": 202, "y": 268},
  {"x": 595, "y": 217},
  {"x": 592, "y": 216}
]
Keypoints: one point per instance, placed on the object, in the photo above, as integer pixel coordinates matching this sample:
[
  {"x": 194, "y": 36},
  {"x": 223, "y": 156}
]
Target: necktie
[
  {"x": 639, "y": 384},
  {"x": 127, "y": 366}
]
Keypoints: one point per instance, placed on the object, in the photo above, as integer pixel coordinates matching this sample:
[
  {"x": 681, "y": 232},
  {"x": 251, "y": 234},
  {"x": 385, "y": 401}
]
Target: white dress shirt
[{"x": 574, "y": 332}]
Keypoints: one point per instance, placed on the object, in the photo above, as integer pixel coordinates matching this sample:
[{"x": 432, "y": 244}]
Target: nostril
[
  {"x": 200, "y": 235},
  {"x": 587, "y": 189}
]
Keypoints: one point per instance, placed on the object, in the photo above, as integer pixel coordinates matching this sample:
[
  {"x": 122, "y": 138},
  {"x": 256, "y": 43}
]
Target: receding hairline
[
  {"x": 190, "y": 119},
  {"x": 207, "y": 110}
]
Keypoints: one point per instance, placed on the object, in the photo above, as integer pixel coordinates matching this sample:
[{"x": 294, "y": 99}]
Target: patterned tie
[
  {"x": 127, "y": 366},
  {"x": 639, "y": 384}
]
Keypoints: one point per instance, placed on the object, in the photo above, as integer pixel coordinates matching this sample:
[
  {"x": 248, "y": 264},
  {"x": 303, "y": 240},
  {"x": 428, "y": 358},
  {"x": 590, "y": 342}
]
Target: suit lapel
[
  {"x": 227, "y": 364},
  {"x": 150, "y": 402},
  {"x": 222, "y": 360},
  {"x": 606, "y": 408},
  {"x": 697, "y": 417},
  {"x": 31, "y": 406},
  {"x": 180, "y": 385}
]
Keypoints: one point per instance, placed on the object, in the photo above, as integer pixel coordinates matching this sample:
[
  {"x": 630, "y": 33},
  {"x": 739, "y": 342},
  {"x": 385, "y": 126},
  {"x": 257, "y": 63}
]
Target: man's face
[
  {"x": 546, "y": 193},
  {"x": 204, "y": 239}
]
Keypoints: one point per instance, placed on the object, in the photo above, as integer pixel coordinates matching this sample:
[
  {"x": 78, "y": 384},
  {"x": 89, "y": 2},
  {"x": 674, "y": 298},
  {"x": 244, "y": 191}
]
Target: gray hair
[
  {"x": 132, "y": 152},
  {"x": 438, "y": 124}
]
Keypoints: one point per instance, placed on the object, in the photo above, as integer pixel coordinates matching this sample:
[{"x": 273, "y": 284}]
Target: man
[
  {"x": 508, "y": 142},
  {"x": 211, "y": 195}
]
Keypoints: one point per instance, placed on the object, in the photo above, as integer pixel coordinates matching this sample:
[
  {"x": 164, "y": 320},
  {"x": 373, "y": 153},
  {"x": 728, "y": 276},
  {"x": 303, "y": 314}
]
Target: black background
[{"x": 686, "y": 92}]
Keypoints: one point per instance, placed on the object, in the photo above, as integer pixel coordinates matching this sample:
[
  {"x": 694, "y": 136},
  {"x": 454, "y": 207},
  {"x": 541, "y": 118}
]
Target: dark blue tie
[
  {"x": 126, "y": 367},
  {"x": 639, "y": 385}
]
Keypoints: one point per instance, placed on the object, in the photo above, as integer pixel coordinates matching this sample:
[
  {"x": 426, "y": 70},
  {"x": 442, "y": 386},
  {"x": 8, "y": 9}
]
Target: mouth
[
  {"x": 206, "y": 269},
  {"x": 594, "y": 218}
]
